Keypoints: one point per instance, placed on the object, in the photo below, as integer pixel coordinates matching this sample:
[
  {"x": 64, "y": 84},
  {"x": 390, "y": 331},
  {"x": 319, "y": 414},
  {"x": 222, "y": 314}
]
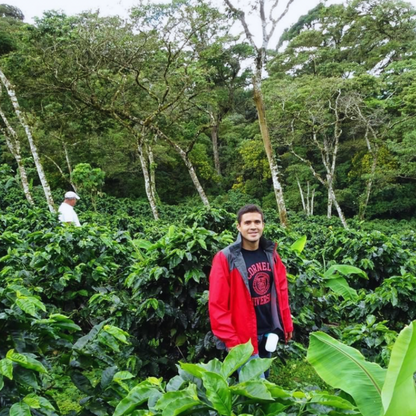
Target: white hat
[{"x": 71, "y": 195}]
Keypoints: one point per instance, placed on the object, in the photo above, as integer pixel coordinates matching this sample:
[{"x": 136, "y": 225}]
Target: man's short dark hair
[{"x": 249, "y": 208}]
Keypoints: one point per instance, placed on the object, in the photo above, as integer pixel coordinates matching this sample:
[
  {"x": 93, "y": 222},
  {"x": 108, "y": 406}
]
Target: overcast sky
[{"x": 32, "y": 8}]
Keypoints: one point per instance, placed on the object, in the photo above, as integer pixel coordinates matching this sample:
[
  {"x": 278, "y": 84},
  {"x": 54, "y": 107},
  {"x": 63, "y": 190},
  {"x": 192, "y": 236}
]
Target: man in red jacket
[{"x": 248, "y": 294}]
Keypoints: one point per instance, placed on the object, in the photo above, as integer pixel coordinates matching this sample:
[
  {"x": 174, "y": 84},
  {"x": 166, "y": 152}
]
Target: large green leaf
[
  {"x": 299, "y": 244},
  {"x": 20, "y": 409},
  {"x": 399, "y": 394},
  {"x": 253, "y": 389},
  {"x": 276, "y": 391},
  {"x": 175, "y": 383},
  {"x": 29, "y": 304},
  {"x": 117, "y": 333},
  {"x": 193, "y": 369},
  {"x": 218, "y": 392},
  {"x": 341, "y": 287},
  {"x": 344, "y": 269},
  {"x": 1, "y": 382},
  {"x": 137, "y": 396},
  {"x": 82, "y": 382},
  {"x": 38, "y": 402},
  {"x": 181, "y": 405},
  {"x": 333, "y": 401},
  {"x": 214, "y": 365},
  {"x": 255, "y": 368},
  {"x": 345, "y": 368},
  {"x": 6, "y": 368},
  {"x": 107, "y": 376},
  {"x": 176, "y": 402},
  {"x": 26, "y": 361},
  {"x": 237, "y": 356}
]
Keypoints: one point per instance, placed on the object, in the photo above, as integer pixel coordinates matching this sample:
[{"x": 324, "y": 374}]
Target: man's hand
[{"x": 288, "y": 336}]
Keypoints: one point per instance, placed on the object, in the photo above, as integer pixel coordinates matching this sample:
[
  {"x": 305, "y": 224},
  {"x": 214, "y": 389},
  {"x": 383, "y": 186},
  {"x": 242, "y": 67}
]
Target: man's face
[
  {"x": 71, "y": 202},
  {"x": 251, "y": 227}
]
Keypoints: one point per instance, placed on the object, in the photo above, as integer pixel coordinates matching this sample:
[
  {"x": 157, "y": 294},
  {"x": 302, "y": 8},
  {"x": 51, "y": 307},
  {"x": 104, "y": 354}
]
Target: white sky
[{"x": 32, "y": 8}]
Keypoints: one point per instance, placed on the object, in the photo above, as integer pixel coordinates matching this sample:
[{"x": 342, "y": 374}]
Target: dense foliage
[
  {"x": 87, "y": 313},
  {"x": 159, "y": 107},
  {"x": 150, "y": 119}
]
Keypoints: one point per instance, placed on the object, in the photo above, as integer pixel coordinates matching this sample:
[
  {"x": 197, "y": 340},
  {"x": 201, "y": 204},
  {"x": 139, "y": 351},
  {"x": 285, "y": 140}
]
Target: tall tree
[
  {"x": 268, "y": 24},
  {"x": 310, "y": 112},
  {"x": 33, "y": 148}
]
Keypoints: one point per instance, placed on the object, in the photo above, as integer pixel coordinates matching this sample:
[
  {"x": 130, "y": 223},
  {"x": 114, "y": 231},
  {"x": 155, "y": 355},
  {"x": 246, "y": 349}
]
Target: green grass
[{"x": 296, "y": 374}]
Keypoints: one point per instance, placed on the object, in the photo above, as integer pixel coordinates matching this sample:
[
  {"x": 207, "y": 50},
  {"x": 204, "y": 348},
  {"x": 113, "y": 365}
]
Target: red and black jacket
[{"x": 231, "y": 311}]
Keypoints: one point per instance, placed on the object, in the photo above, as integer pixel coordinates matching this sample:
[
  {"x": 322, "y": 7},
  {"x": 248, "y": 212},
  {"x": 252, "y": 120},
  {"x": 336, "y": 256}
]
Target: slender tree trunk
[
  {"x": 369, "y": 187},
  {"x": 301, "y": 195},
  {"x": 193, "y": 175},
  {"x": 33, "y": 147},
  {"x": 332, "y": 199},
  {"x": 146, "y": 176},
  {"x": 339, "y": 210},
  {"x": 329, "y": 203},
  {"x": 214, "y": 139},
  {"x": 14, "y": 148},
  {"x": 68, "y": 164},
  {"x": 152, "y": 169},
  {"x": 312, "y": 202},
  {"x": 188, "y": 164},
  {"x": 13, "y": 143},
  {"x": 274, "y": 168}
]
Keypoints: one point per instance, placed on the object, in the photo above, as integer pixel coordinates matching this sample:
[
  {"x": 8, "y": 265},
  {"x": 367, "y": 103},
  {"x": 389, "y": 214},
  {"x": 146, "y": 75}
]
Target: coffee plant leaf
[
  {"x": 253, "y": 389},
  {"x": 236, "y": 357},
  {"x": 218, "y": 393},
  {"x": 255, "y": 368},
  {"x": 137, "y": 396},
  {"x": 26, "y": 361},
  {"x": 6, "y": 368},
  {"x": 194, "y": 369},
  {"x": 20, "y": 409}
]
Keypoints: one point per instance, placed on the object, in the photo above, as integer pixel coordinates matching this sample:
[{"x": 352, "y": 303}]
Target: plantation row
[{"x": 86, "y": 314}]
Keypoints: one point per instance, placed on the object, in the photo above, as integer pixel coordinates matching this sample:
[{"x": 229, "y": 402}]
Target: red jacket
[{"x": 231, "y": 311}]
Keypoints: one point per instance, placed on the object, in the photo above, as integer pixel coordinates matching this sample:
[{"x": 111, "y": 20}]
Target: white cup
[{"x": 271, "y": 343}]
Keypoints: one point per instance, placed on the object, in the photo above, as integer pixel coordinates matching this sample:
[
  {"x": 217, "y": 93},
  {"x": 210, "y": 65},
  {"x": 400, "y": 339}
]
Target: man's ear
[{"x": 238, "y": 226}]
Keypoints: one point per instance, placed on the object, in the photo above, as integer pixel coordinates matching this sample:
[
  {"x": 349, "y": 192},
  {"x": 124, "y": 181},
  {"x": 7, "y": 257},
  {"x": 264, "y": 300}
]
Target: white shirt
[{"x": 68, "y": 214}]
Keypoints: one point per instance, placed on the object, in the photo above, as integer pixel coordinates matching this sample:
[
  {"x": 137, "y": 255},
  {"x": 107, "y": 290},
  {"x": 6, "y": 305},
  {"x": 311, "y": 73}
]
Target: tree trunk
[
  {"x": 15, "y": 151},
  {"x": 333, "y": 200},
  {"x": 152, "y": 169},
  {"x": 329, "y": 204},
  {"x": 274, "y": 168},
  {"x": 13, "y": 143},
  {"x": 188, "y": 164},
  {"x": 301, "y": 196},
  {"x": 68, "y": 164},
  {"x": 214, "y": 139},
  {"x": 33, "y": 147},
  {"x": 148, "y": 187},
  {"x": 193, "y": 176},
  {"x": 312, "y": 202},
  {"x": 339, "y": 210}
]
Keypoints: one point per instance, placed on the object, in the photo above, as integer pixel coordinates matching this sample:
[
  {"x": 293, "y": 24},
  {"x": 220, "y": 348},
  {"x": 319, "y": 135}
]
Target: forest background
[
  {"x": 166, "y": 123},
  {"x": 182, "y": 126}
]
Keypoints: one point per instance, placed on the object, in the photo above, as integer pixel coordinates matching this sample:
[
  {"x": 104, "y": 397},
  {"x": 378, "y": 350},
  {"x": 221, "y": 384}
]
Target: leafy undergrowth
[{"x": 296, "y": 374}]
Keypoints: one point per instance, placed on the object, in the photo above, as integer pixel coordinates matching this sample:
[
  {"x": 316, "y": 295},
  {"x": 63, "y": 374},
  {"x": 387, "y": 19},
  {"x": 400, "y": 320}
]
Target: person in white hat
[{"x": 66, "y": 210}]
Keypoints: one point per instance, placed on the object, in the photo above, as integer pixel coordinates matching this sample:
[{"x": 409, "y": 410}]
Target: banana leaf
[
  {"x": 399, "y": 394},
  {"x": 345, "y": 368}
]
